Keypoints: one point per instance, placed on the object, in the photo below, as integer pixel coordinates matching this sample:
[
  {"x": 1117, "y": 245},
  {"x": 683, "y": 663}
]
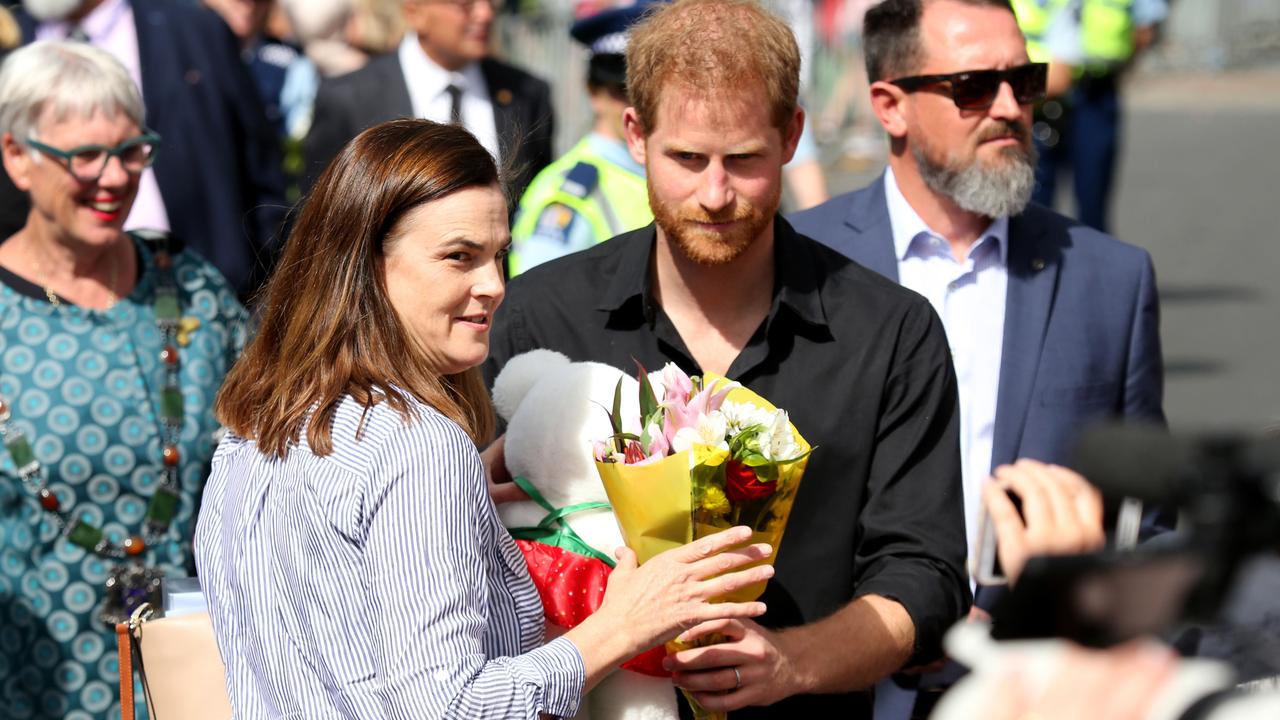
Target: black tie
[
  {"x": 78, "y": 34},
  {"x": 455, "y": 104}
]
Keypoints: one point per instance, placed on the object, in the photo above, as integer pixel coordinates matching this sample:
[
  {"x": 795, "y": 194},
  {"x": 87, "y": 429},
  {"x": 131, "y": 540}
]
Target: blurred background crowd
[
  {"x": 1193, "y": 165},
  {"x": 1193, "y": 162}
]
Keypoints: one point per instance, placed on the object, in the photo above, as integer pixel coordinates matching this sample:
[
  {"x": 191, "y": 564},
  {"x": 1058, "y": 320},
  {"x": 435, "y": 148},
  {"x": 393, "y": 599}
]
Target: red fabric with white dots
[{"x": 572, "y": 587}]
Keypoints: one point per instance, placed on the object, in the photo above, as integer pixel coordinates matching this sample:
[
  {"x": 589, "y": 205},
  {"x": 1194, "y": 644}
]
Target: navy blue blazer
[
  {"x": 219, "y": 168},
  {"x": 1081, "y": 330}
]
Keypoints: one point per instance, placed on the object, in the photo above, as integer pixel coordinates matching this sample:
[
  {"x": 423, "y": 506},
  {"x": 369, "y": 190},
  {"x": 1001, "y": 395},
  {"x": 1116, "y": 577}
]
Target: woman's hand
[
  {"x": 669, "y": 594},
  {"x": 501, "y": 489},
  {"x": 646, "y": 606}
]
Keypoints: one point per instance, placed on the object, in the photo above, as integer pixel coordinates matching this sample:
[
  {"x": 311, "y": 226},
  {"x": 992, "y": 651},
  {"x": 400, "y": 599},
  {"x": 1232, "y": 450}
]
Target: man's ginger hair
[{"x": 713, "y": 48}]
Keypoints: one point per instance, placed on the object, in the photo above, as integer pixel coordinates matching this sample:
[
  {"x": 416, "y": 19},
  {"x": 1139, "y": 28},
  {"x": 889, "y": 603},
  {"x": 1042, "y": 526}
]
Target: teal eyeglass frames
[{"x": 87, "y": 162}]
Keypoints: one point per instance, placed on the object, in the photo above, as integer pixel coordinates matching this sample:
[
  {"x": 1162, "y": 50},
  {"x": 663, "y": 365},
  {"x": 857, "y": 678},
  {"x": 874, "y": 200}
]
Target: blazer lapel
[
  {"x": 502, "y": 98},
  {"x": 393, "y": 90},
  {"x": 157, "y": 67},
  {"x": 871, "y": 239},
  {"x": 1034, "y": 266}
]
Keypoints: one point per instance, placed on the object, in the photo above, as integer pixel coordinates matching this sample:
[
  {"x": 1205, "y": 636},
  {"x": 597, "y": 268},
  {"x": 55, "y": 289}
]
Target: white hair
[
  {"x": 318, "y": 19},
  {"x": 51, "y": 10},
  {"x": 59, "y": 80}
]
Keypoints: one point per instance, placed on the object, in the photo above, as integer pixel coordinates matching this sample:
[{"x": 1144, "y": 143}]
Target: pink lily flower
[
  {"x": 676, "y": 384},
  {"x": 679, "y": 416},
  {"x": 659, "y": 443}
]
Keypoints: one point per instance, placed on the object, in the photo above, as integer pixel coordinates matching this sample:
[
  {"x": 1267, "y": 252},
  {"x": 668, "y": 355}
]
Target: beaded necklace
[{"x": 130, "y": 583}]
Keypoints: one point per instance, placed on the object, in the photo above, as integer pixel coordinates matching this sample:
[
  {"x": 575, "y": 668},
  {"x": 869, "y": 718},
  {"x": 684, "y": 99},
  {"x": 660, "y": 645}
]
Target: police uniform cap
[{"x": 605, "y": 33}]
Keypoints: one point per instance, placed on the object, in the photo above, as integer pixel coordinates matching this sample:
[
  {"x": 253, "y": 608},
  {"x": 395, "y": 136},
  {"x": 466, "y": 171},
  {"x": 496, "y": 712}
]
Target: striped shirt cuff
[{"x": 559, "y": 672}]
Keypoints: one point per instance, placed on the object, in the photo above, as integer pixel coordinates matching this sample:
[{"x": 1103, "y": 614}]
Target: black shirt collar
[
  {"x": 798, "y": 270},
  {"x": 633, "y": 267}
]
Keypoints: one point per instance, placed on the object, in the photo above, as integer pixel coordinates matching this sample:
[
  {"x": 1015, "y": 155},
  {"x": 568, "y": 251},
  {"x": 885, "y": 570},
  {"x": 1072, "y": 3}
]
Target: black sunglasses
[{"x": 977, "y": 89}]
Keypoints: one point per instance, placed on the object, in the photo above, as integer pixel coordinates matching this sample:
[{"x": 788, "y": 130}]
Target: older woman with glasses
[{"x": 112, "y": 347}]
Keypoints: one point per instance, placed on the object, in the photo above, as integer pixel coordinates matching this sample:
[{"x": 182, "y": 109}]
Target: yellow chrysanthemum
[{"x": 714, "y": 501}]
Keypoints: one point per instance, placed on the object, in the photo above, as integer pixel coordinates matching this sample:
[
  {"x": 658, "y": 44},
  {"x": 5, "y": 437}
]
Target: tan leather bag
[{"x": 178, "y": 661}]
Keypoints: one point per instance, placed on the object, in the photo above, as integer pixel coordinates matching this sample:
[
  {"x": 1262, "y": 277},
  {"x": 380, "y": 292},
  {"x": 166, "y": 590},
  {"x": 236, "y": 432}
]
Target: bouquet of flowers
[{"x": 709, "y": 456}]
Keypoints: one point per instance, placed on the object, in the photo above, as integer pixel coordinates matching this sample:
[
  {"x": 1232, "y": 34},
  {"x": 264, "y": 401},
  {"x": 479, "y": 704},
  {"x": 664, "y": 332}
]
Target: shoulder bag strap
[
  {"x": 140, "y": 616},
  {"x": 124, "y": 646}
]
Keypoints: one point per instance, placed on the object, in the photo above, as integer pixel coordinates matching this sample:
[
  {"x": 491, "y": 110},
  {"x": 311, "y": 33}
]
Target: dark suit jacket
[
  {"x": 349, "y": 104},
  {"x": 1081, "y": 328},
  {"x": 219, "y": 167}
]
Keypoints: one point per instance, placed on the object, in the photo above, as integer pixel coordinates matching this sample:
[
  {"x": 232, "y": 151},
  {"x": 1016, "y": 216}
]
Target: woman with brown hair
[{"x": 353, "y": 562}]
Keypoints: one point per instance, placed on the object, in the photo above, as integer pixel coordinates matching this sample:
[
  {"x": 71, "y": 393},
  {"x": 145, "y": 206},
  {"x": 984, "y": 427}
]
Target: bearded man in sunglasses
[{"x": 1052, "y": 324}]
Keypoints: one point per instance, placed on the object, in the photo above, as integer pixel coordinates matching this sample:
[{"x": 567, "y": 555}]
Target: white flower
[
  {"x": 710, "y": 429},
  {"x": 658, "y": 445},
  {"x": 741, "y": 416},
  {"x": 654, "y": 429},
  {"x": 778, "y": 442}
]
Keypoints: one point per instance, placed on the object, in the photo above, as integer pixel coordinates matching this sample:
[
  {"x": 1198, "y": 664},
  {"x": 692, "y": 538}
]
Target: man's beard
[
  {"x": 715, "y": 248},
  {"x": 994, "y": 189},
  {"x": 51, "y": 10}
]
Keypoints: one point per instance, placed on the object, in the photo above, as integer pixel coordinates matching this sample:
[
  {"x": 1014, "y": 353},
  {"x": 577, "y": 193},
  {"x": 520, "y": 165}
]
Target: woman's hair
[
  {"x": 65, "y": 79},
  {"x": 328, "y": 327}
]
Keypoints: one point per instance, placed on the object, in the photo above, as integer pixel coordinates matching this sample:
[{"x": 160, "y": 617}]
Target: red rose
[{"x": 741, "y": 483}]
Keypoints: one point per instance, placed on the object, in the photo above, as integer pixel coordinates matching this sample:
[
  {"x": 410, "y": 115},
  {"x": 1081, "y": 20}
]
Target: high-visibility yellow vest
[
  {"x": 1106, "y": 32},
  {"x": 1033, "y": 18},
  {"x": 1106, "y": 29},
  {"x": 610, "y": 198}
]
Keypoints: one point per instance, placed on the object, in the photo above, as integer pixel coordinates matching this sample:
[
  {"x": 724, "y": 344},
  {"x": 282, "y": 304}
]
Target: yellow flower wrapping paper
[{"x": 680, "y": 498}]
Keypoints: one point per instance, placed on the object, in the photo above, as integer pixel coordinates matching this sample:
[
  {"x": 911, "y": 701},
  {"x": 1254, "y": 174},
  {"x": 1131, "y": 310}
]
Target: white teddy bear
[{"x": 554, "y": 409}]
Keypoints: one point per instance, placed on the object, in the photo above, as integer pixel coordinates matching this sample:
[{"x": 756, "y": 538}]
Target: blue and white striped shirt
[{"x": 375, "y": 582}]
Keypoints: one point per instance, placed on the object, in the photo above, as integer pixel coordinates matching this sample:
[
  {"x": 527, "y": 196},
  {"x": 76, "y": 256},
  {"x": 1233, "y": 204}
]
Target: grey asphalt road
[{"x": 1199, "y": 188}]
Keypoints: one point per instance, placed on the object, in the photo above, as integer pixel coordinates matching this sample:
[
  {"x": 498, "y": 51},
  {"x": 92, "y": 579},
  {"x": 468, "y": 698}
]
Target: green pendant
[
  {"x": 20, "y": 451},
  {"x": 166, "y": 305},
  {"x": 171, "y": 404},
  {"x": 163, "y": 506},
  {"x": 85, "y": 535}
]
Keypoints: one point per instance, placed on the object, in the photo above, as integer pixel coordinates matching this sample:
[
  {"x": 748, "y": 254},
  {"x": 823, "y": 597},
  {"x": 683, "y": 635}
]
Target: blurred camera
[
  {"x": 984, "y": 564},
  {"x": 1226, "y": 490},
  {"x": 1124, "y": 516}
]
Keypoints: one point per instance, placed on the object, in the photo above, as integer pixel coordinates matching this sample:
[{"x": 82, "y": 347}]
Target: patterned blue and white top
[
  {"x": 374, "y": 582},
  {"x": 84, "y": 386}
]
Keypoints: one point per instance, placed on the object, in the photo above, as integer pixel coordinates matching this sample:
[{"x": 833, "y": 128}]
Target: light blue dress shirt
[
  {"x": 969, "y": 296},
  {"x": 374, "y": 582}
]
